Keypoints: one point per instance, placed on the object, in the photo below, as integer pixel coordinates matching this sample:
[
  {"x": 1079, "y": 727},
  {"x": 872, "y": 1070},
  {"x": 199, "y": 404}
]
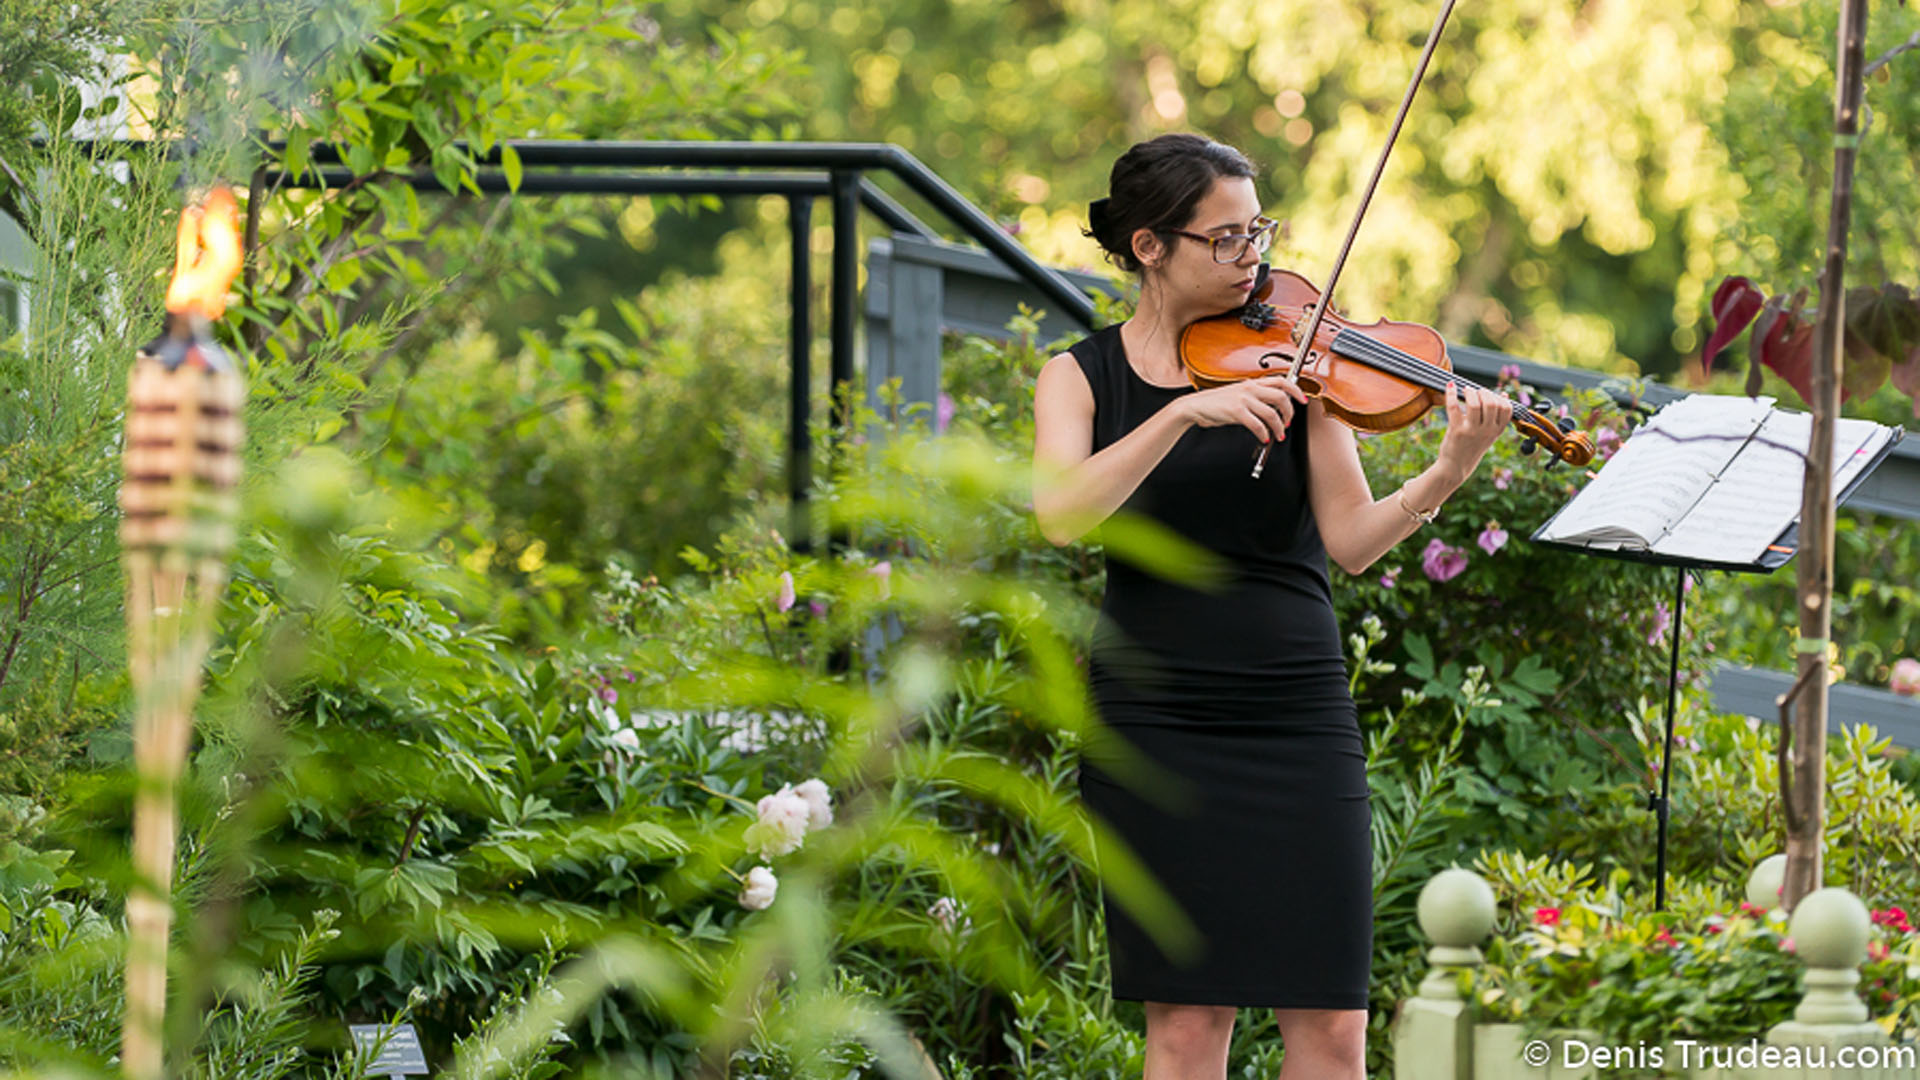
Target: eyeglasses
[{"x": 1233, "y": 246}]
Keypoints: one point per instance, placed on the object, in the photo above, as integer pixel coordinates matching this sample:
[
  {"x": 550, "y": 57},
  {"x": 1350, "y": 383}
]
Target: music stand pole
[{"x": 1658, "y": 803}]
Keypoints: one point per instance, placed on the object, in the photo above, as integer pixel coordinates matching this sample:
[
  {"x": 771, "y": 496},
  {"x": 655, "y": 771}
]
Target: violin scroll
[{"x": 1560, "y": 439}]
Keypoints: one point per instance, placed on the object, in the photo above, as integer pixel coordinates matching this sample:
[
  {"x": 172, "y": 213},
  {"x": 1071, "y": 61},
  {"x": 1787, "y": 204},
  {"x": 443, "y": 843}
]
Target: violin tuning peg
[
  {"x": 1527, "y": 446},
  {"x": 1566, "y": 423}
]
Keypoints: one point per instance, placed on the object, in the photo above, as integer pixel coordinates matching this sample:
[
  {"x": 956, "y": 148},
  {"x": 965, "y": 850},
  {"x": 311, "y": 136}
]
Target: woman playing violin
[{"x": 1235, "y": 696}]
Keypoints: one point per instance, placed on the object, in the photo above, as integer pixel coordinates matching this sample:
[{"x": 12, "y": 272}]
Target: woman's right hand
[{"x": 1263, "y": 406}]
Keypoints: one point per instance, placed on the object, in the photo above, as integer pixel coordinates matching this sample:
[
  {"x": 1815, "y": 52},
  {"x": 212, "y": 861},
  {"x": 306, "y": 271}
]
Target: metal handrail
[
  {"x": 883, "y": 206},
  {"x": 884, "y": 157}
]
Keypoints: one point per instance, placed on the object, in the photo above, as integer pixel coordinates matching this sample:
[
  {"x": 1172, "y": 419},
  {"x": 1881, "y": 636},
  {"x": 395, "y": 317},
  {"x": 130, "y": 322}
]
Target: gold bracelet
[{"x": 1423, "y": 517}]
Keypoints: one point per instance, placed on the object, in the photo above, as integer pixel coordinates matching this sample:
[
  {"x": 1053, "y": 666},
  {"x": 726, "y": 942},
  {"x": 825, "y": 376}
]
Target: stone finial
[
  {"x": 1763, "y": 885},
  {"x": 1456, "y": 911},
  {"x": 1830, "y": 929}
]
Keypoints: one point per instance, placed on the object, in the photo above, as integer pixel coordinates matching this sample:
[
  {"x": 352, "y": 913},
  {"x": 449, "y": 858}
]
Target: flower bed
[{"x": 1833, "y": 990}]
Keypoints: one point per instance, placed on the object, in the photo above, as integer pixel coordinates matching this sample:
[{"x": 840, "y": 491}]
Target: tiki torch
[{"x": 182, "y": 465}]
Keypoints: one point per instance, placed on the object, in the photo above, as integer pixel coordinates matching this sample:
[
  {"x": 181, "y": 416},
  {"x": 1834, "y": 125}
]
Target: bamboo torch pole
[{"x": 181, "y": 466}]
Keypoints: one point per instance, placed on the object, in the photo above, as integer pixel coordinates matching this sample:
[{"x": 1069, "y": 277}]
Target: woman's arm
[
  {"x": 1357, "y": 528},
  {"x": 1075, "y": 489}
]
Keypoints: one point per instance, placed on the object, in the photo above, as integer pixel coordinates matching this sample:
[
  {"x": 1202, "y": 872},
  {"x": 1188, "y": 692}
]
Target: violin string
[{"x": 1410, "y": 367}]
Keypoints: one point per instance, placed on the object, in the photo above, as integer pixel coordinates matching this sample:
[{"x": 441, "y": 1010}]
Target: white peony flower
[
  {"x": 819, "y": 802},
  {"x": 946, "y": 912},
  {"x": 782, "y": 825},
  {"x": 761, "y": 885}
]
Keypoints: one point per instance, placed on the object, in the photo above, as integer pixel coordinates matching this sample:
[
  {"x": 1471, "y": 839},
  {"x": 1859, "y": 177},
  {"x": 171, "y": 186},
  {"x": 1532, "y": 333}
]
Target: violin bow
[{"x": 1366, "y": 197}]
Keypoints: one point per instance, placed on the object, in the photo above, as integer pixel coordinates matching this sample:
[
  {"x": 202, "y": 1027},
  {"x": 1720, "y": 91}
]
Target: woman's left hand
[{"x": 1475, "y": 418}]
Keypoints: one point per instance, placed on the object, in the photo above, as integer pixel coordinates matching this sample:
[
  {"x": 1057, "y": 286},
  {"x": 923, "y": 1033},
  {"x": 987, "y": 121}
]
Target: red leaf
[
  {"x": 1906, "y": 377},
  {"x": 1735, "y": 303},
  {"x": 1762, "y": 333},
  {"x": 1787, "y": 349}
]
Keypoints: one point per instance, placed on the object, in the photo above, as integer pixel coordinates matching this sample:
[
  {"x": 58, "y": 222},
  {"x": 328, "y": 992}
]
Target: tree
[{"x": 1876, "y": 331}]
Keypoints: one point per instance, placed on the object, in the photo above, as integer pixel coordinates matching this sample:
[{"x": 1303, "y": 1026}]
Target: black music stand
[{"x": 1775, "y": 556}]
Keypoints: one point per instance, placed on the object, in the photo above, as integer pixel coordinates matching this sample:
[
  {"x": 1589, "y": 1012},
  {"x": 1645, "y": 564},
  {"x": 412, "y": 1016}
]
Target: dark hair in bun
[{"x": 1155, "y": 185}]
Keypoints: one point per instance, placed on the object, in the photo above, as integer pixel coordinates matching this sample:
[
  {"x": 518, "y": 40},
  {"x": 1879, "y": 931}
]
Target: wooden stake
[{"x": 1805, "y": 811}]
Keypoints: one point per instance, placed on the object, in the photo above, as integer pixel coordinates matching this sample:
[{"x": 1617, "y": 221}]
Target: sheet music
[
  {"x": 1666, "y": 466},
  {"x": 1871, "y": 438},
  {"x": 1759, "y": 494},
  {"x": 1711, "y": 479}
]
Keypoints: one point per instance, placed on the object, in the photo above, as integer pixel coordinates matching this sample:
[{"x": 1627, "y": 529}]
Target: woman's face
[{"x": 1185, "y": 265}]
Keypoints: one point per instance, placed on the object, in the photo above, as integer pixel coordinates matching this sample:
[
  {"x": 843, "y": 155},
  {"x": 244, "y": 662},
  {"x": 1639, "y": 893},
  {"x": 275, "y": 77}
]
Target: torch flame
[{"x": 207, "y": 256}]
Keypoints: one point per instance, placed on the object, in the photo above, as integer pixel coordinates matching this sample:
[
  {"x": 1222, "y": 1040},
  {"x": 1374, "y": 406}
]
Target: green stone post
[
  {"x": 1829, "y": 930},
  {"x": 1433, "y": 1034}
]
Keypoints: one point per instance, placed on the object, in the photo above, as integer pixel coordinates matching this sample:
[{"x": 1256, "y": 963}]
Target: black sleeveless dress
[{"x": 1229, "y": 757}]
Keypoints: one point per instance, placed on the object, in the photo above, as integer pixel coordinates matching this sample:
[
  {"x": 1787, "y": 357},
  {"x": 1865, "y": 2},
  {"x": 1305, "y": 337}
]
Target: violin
[{"x": 1378, "y": 377}]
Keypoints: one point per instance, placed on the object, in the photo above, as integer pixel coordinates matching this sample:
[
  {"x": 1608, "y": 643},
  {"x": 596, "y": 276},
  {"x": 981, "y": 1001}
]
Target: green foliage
[
  {"x": 1503, "y": 645},
  {"x": 1055, "y": 1040},
  {"x": 1557, "y": 193},
  {"x": 548, "y": 462},
  {"x": 45, "y": 51},
  {"x": 1726, "y": 785},
  {"x": 1876, "y": 609},
  {"x": 1776, "y": 122},
  {"x": 63, "y": 382}
]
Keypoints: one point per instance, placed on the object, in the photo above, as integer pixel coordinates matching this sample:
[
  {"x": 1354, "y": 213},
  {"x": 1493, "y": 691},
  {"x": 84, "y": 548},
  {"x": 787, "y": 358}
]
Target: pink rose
[
  {"x": 1493, "y": 538},
  {"x": 1905, "y": 679},
  {"x": 1502, "y": 478},
  {"x": 1441, "y": 561}
]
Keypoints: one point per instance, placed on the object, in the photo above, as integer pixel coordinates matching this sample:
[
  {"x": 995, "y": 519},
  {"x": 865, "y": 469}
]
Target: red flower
[
  {"x": 1877, "y": 950},
  {"x": 1754, "y": 910},
  {"x": 1893, "y": 919},
  {"x": 1664, "y": 938},
  {"x": 1546, "y": 916}
]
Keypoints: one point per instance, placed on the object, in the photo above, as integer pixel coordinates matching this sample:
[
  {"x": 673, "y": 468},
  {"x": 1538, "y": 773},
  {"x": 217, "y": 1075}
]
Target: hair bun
[{"x": 1097, "y": 219}]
